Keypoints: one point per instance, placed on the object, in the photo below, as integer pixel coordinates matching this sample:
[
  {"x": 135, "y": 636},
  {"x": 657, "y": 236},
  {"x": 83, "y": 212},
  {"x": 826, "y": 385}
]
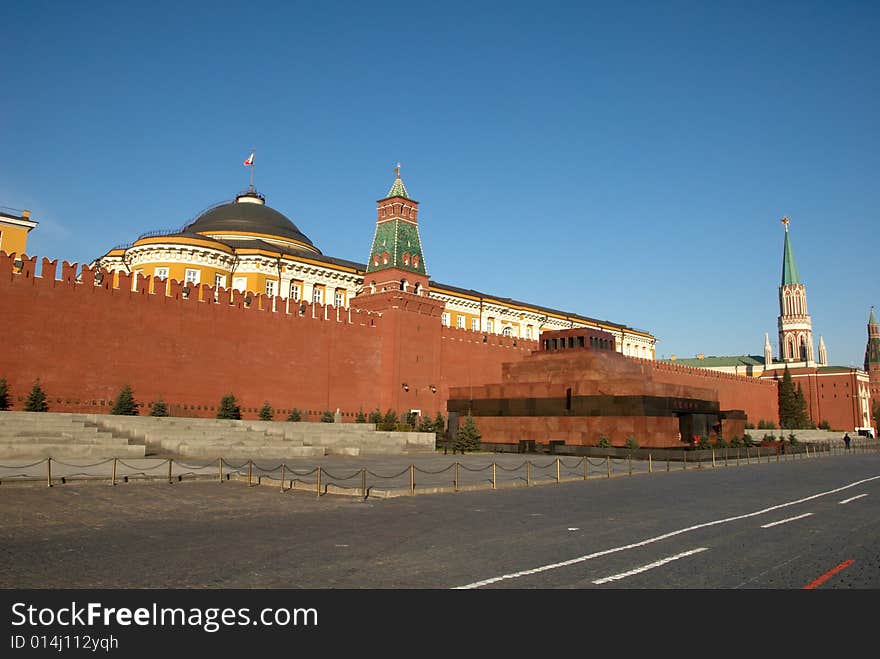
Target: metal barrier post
[
  {"x": 250, "y": 471},
  {"x": 49, "y": 472},
  {"x": 493, "y": 476},
  {"x": 650, "y": 465},
  {"x": 713, "y": 458},
  {"x": 455, "y": 481},
  {"x": 113, "y": 475},
  {"x": 608, "y": 464},
  {"x": 364, "y": 482},
  {"x": 748, "y": 455},
  {"x": 685, "y": 463},
  {"x": 219, "y": 470},
  {"x": 737, "y": 456},
  {"x": 557, "y": 471},
  {"x": 283, "y": 465},
  {"x": 586, "y": 462},
  {"x": 412, "y": 479},
  {"x": 528, "y": 473},
  {"x": 319, "y": 482},
  {"x": 725, "y": 457},
  {"x": 667, "y": 461},
  {"x": 759, "y": 455},
  {"x": 629, "y": 462},
  {"x": 170, "y": 464}
]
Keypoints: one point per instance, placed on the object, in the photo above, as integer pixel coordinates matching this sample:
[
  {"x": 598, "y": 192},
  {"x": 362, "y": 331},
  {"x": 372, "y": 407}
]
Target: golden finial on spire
[
  {"x": 397, "y": 170},
  {"x": 785, "y": 222}
]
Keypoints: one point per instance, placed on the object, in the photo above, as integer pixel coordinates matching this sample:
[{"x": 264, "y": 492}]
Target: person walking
[{"x": 846, "y": 440}]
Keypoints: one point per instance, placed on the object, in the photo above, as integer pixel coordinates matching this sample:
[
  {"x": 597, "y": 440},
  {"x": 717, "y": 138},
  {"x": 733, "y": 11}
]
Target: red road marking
[{"x": 825, "y": 577}]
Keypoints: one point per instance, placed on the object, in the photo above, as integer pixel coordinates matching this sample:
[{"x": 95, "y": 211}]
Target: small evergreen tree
[
  {"x": 360, "y": 417},
  {"x": 439, "y": 425},
  {"x": 375, "y": 417},
  {"x": 468, "y": 436},
  {"x": 426, "y": 424},
  {"x": 36, "y": 400},
  {"x": 294, "y": 415},
  {"x": 389, "y": 421},
  {"x": 327, "y": 417},
  {"x": 802, "y": 417},
  {"x": 5, "y": 399},
  {"x": 159, "y": 408},
  {"x": 789, "y": 411},
  {"x": 824, "y": 425},
  {"x": 704, "y": 442},
  {"x": 229, "y": 409},
  {"x": 266, "y": 413},
  {"x": 632, "y": 443},
  {"x": 125, "y": 404},
  {"x": 603, "y": 442}
]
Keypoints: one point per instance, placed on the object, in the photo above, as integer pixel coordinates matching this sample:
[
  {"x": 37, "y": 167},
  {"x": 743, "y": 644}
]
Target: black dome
[{"x": 249, "y": 217}]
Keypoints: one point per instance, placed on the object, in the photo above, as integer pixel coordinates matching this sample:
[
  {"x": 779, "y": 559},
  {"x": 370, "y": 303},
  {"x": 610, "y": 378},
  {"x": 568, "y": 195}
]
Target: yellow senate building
[
  {"x": 249, "y": 246},
  {"x": 15, "y": 226}
]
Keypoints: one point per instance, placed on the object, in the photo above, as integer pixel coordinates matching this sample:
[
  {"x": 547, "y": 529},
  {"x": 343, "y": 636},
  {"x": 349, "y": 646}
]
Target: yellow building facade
[{"x": 14, "y": 229}]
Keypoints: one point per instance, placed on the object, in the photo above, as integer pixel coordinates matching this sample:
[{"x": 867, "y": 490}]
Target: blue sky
[{"x": 626, "y": 161}]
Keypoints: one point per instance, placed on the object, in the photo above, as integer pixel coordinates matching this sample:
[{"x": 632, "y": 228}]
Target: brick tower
[
  {"x": 872, "y": 356},
  {"x": 396, "y": 261},
  {"x": 795, "y": 326},
  {"x": 396, "y": 286}
]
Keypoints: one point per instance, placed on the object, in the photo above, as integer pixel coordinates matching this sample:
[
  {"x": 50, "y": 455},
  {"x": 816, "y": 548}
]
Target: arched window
[
  {"x": 417, "y": 288},
  {"x": 507, "y": 331}
]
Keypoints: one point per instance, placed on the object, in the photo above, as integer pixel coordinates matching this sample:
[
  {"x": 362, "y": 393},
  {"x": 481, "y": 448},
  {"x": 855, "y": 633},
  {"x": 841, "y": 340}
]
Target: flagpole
[{"x": 253, "y": 167}]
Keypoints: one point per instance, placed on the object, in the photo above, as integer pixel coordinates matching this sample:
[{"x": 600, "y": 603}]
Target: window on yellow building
[
  {"x": 460, "y": 322},
  {"x": 490, "y": 325},
  {"x": 339, "y": 298},
  {"x": 445, "y": 318},
  {"x": 475, "y": 324},
  {"x": 271, "y": 287},
  {"x": 318, "y": 295},
  {"x": 239, "y": 283},
  {"x": 219, "y": 281},
  {"x": 160, "y": 273},
  {"x": 295, "y": 291},
  {"x": 192, "y": 276}
]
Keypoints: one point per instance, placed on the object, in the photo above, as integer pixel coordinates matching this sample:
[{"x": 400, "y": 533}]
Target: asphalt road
[{"x": 766, "y": 526}]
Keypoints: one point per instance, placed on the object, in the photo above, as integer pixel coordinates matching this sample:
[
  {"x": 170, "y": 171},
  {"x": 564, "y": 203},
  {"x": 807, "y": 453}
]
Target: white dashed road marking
[
  {"x": 858, "y": 496},
  {"x": 785, "y": 521},
  {"x": 649, "y": 566}
]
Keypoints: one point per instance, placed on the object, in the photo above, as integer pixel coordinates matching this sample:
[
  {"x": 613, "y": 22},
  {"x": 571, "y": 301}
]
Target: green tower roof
[
  {"x": 398, "y": 189},
  {"x": 789, "y": 268}
]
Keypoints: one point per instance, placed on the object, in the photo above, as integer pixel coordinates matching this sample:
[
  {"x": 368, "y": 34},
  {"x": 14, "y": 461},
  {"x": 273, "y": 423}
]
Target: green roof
[
  {"x": 398, "y": 189},
  {"x": 789, "y": 268},
  {"x": 399, "y": 240},
  {"x": 716, "y": 362}
]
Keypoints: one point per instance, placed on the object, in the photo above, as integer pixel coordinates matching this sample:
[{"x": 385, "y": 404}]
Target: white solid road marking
[
  {"x": 858, "y": 496},
  {"x": 649, "y": 566},
  {"x": 573, "y": 528},
  {"x": 785, "y": 521},
  {"x": 605, "y": 552}
]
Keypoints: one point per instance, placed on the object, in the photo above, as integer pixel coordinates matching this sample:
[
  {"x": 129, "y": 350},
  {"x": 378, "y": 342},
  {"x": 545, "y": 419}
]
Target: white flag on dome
[{"x": 249, "y": 161}]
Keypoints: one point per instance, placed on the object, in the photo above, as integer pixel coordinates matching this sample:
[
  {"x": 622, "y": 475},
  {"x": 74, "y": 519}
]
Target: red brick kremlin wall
[{"x": 85, "y": 342}]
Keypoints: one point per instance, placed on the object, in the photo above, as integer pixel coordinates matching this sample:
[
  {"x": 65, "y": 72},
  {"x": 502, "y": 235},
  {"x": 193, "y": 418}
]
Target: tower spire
[
  {"x": 789, "y": 268},
  {"x": 396, "y": 261},
  {"x": 795, "y": 326}
]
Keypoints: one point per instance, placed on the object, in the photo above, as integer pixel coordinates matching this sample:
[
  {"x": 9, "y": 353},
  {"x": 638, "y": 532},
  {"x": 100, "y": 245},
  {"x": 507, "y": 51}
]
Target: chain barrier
[
  {"x": 434, "y": 473},
  {"x": 579, "y": 468}
]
